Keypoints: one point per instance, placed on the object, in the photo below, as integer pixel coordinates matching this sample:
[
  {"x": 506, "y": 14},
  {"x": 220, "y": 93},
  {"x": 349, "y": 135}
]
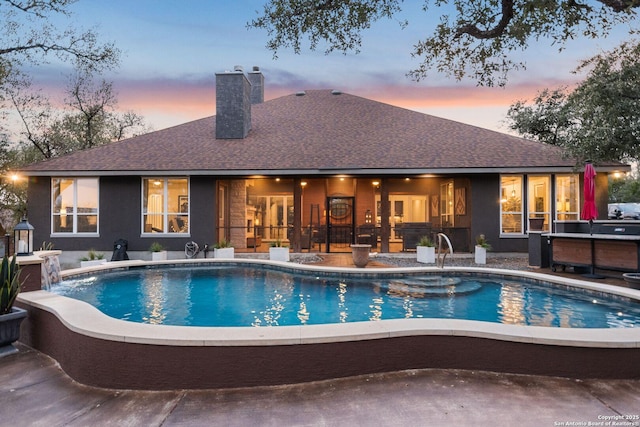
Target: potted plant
[
  {"x": 278, "y": 251},
  {"x": 426, "y": 251},
  {"x": 158, "y": 252},
  {"x": 92, "y": 258},
  {"x": 10, "y": 316},
  {"x": 223, "y": 249},
  {"x": 482, "y": 246}
]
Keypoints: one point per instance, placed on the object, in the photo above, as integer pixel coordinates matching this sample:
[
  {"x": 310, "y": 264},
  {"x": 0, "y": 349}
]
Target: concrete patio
[{"x": 35, "y": 392}]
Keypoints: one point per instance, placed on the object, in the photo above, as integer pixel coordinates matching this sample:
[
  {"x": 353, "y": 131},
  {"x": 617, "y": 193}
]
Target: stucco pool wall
[{"x": 97, "y": 350}]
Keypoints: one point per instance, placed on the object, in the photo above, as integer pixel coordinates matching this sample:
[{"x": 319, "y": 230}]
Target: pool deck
[{"x": 35, "y": 391}]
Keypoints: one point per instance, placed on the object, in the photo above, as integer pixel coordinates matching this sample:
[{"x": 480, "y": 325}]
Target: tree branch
[
  {"x": 57, "y": 48},
  {"x": 620, "y": 5},
  {"x": 498, "y": 30},
  {"x": 38, "y": 8},
  {"x": 42, "y": 146}
]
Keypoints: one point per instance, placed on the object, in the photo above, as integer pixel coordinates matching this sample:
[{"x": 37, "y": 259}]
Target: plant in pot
[
  {"x": 158, "y": 252},
  {"x": 92, "y": 258},
  {"x": 482, "y": 246},
  {"x": 426, "y": 250},
  {"x": 10, "y": 316},
  {"x": 223, "y": 249},
  {"x": 278, "y": 251}
]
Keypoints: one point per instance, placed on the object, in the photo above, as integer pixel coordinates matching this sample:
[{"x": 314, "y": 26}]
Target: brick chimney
[
  {"x": 256, "y": 78},
  {"x": 233, "y": 104}
]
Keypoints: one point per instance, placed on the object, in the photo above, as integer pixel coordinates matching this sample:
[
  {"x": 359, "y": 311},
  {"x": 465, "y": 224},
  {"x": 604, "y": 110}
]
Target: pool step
[{"x": 433, "y": 286}]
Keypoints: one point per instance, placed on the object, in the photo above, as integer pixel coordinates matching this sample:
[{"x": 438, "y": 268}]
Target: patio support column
[
  {"x": 385, "y": 212},
  {"x": 297, "y": 217}
]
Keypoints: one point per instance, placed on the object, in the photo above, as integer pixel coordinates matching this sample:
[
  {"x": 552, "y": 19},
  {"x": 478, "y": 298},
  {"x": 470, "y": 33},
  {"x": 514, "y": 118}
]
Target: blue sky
[{"x": 173, "y": 48}]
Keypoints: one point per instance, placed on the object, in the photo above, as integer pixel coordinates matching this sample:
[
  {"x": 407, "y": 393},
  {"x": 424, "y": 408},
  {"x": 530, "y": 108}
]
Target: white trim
[
  {"x": 75, "y": 214},
  {"x": 521, "y": 212},
  {"x": 165, "y": 208}
]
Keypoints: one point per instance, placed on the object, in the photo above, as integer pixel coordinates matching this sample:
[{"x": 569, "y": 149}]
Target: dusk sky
[{"x": 173, "y": 48}]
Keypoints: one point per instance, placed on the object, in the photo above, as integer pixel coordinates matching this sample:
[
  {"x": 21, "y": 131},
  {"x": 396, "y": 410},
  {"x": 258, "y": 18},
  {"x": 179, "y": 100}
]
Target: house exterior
[{"x": 318, "y": 169}]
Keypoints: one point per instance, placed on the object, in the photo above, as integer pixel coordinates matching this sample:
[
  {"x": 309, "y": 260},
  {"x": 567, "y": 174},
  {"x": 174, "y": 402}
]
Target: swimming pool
[
  {"x": 260, "y": 296},
  {"x": 102, "y": 351}
]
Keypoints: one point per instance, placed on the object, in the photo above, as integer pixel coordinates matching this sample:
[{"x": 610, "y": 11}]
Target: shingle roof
[{"x": 318, "y": 133}]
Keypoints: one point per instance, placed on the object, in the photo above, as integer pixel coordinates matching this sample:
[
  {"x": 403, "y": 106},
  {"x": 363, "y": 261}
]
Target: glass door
[{"x": 340, "y": 220}]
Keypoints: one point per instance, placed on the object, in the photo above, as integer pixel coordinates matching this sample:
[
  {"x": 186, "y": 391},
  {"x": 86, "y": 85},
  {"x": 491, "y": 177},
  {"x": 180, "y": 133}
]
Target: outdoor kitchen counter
[{"x": 604, "y": 251}]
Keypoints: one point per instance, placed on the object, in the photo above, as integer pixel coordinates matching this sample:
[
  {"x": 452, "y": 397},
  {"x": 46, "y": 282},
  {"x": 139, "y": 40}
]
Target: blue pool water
[{"x": 249, "y": 296}]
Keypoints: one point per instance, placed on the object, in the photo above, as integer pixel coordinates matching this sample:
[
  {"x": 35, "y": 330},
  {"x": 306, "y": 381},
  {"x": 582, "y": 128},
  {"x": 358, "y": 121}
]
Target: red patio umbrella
[{"x": 589, "y": 210}]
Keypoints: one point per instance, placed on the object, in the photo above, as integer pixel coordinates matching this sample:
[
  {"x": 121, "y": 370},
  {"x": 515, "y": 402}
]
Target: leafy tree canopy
[
  {"x": 624, "y": 190},
  {"x": 600, "y": 119},
  {"x": 475, "y": 40}
]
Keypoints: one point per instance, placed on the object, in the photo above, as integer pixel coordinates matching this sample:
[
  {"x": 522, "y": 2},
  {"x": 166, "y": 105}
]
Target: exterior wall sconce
[{"x": 23, "y": 238}]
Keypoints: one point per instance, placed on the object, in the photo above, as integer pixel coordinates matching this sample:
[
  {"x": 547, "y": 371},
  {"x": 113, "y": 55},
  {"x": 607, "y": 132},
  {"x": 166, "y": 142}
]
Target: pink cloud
[{"x": 171, "y": 102}]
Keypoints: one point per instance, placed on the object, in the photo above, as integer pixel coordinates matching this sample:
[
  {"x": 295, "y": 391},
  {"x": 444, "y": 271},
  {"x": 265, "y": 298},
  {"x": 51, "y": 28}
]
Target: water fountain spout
[{"x": 50, "y": 271}]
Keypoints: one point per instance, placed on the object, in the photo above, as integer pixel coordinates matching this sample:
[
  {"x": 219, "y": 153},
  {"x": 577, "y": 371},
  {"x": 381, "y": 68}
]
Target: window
[
  {"x": 75, "y": 205},
  {"x": 567, "y": 198},
  {"x": 511, "y": 208},
  {"x": 405, "y": 208},
  {"x": 274, "y": 215},
  {"x": 446, "y": 204},
  {"x": 539, "y": 201},
  {"x": 165, "y": 205},
  {"x": 270, "y": 207}
]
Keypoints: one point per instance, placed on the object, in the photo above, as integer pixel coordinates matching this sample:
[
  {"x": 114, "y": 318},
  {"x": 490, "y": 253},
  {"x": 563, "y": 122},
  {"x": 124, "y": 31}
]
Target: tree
[
  {"x": 13, "y": 193},
  {"x": 600, "y": 119},
  {"x": 625, "y": 190},
  {"x": 476, "y": 42},
  {"x": 29, "y": 35},
  {"x": 547, "y": 120},
  {"x": 89, "y": 120}
]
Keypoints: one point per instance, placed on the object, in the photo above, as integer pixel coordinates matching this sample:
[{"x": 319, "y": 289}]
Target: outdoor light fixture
[
  {"x": 23, "y": 238},
  {"x": 367, "y": 216}
]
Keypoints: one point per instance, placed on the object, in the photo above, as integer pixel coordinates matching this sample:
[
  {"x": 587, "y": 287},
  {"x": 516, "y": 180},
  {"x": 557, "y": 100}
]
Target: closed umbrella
[
  {"x": 590, "y": 212},
  {"x": 589, "y": 209}
]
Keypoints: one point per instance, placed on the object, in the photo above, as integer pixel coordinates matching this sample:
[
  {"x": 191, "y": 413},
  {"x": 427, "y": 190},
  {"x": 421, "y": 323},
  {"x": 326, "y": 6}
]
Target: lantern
[{"x": 23, "y": 238}]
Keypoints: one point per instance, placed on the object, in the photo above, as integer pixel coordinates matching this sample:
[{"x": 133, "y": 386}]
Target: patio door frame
[{"x": 340, "y": 220}]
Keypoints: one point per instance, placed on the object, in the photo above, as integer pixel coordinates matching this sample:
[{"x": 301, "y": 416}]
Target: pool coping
[{"x": 82, "y": 318}]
